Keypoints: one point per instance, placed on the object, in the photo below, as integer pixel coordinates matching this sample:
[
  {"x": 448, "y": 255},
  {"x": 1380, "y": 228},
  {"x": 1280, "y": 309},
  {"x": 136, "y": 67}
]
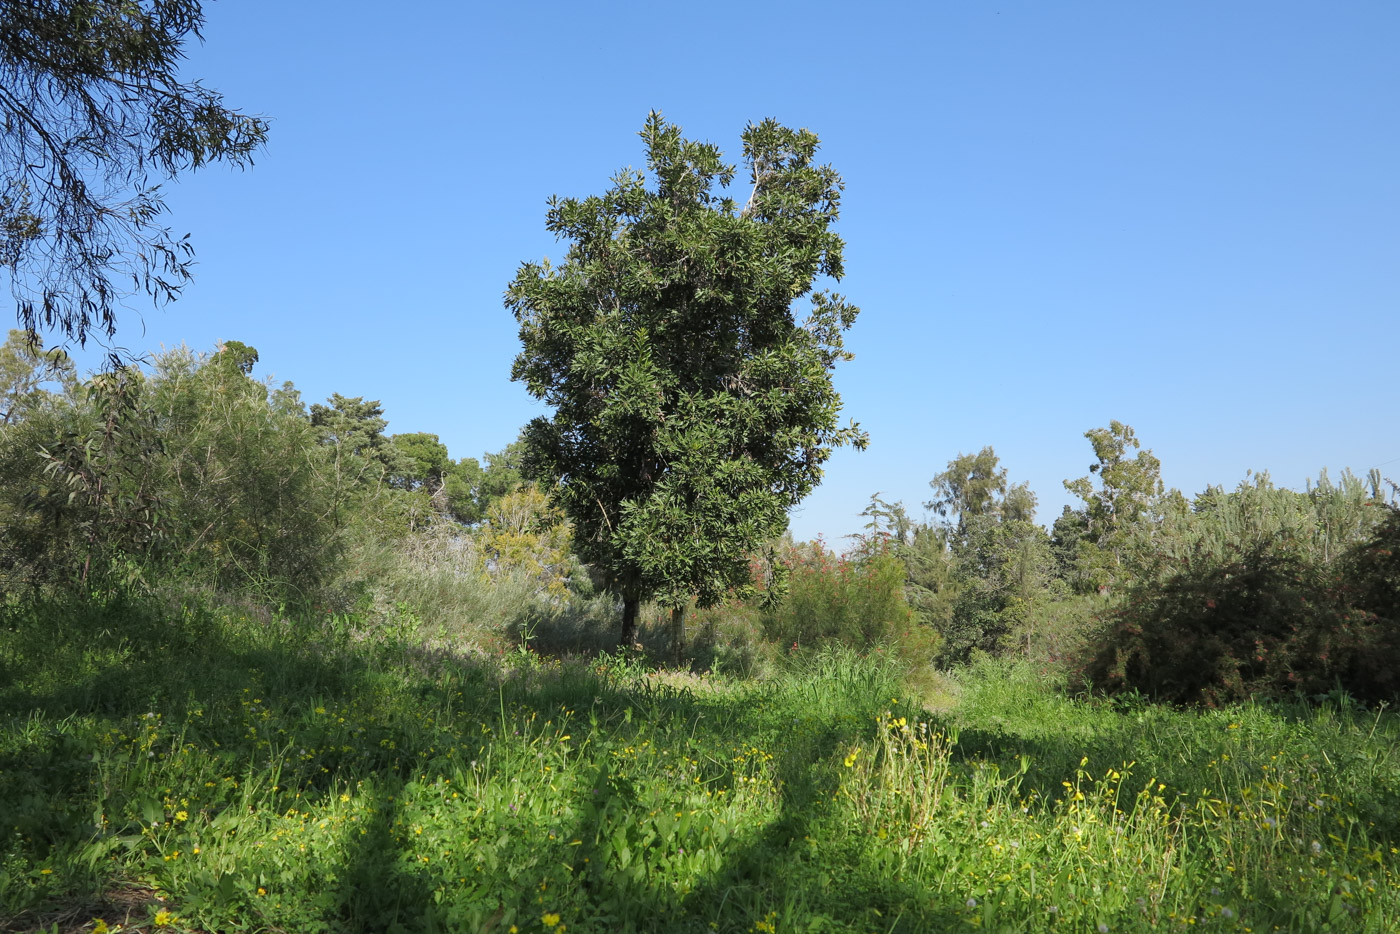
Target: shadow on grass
[{"x": 71, "y": 674}]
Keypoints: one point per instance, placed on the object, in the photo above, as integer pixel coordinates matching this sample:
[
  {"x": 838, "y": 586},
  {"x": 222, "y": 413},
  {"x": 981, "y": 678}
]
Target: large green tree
[
  {"x": 692, "y": 407},
  {"x": 93, "y": 113}
]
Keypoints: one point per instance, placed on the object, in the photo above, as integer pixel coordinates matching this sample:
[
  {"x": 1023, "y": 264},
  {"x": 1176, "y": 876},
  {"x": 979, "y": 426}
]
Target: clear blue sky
[{"x": 1185, "y": 216}]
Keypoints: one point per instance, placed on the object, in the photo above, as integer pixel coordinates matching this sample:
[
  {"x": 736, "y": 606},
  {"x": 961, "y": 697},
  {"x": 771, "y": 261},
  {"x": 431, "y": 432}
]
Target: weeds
[{"x": 268, "y": 773}]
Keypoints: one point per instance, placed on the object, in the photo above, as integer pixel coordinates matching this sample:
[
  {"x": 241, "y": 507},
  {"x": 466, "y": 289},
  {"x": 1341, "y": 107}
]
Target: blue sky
[{"x": 1183, "y": 216}]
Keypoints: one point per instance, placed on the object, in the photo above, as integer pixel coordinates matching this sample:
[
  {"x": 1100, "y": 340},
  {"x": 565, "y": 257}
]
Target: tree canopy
[
  {"x": 92, "y": 109},
  {"x": 692, "y": 408},
  {"x": 974, "y": 485}
]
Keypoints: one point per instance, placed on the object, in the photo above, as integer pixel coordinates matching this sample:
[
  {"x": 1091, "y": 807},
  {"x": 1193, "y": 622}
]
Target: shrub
[
  {"x": 1372, "y": 571},
  {"x": 832, "y": 598},
  {"x": 1267, "y": 622}
]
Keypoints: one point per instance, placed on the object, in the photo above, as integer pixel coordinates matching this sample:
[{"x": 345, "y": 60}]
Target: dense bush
[
  {"x": 1372, "y": 571},
  {"x": 838, "y": 599},
  {"x": 1267, "y": 622},
  {"x": 1004, "y": 573},
  {"x": 195, "y": 468}
]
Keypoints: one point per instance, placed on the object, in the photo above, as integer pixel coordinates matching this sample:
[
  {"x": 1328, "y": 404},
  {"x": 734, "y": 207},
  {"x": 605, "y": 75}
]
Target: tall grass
[
  {"x": 443, "y": 581},
  {"x": 207, "y": 769}
]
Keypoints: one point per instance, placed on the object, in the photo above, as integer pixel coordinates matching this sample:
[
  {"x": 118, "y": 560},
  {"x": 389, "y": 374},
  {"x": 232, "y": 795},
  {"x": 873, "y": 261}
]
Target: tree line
[
  {"x": 198, "y": 467},
  {"x": 1140, "y": 589},
  {"x": 691, "y": 407}
]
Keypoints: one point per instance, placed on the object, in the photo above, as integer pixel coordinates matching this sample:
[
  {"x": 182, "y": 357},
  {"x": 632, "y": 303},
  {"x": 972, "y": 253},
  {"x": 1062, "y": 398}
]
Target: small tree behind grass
[
  {"x": 857, "y": 603},
  {"x": 1373, "y": 570}
]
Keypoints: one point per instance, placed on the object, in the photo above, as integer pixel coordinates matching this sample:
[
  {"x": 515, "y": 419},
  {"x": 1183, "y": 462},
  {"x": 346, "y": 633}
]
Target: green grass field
[{"x": 202, "y": 769}]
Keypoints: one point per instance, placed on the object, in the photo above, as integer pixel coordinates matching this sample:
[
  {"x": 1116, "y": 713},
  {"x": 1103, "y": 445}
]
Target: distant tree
[
  {"x": 999, "y": 563},
  {"x": 1128, "y": 486},
  {"x": 974, "y": 486},
  {"x": 1345, "y": 510},
  {"x": 1018, "y": 505},
  {"x": 502, "y": 475},
  {"x": 1120, "y": 511},
  {"x": 889, "y": 527},
  {"x": 1068, "y": 541},
  {"x": 26, "y": 367},
  {"x": 424, "y": 461},
  {"x": 92, "y": 107},
  {"x": 462, "y": 487},
  {"x": 236, "y": 355},
  {"x": 923, "y": 548},
  {"x": 454, "y": 487},
  {"x": 355, "y": 428},
  {"x": 691, "y": 407},
  {"x": 969, "y": 487}
]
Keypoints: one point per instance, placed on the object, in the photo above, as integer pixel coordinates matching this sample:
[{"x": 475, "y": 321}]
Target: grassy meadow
[{"x": 191, "y": 767}]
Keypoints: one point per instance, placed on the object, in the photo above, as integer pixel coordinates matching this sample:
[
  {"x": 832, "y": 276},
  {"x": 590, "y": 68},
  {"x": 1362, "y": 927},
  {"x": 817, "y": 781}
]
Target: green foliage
[
  {"x": 25, "y": 368},
  {"x": 522, "y": 532},
  {"x": 503, "y": 474},
  {"x": 1004, "y": 569},
  {"x": 424, "y": 461},
  {"x": 930, "y": 585},
  {"x": 456, "y": 488},
  {"x": 987, "y": 572},
  {"x": 1259, "y": 590},
  {"x": 477, "y": 589},
  {"x": 691, "y": 408},
  {"x": 354, "y": 429},
  {"x": 974, "y": 486},
  {"x": 281, "y": 775},
  {"x": 1069, "y": 543},
  {"x": 94, "y": 105},
  {"x": 1128, "y": 487},
  {"x": 1265, "y": 622},
  {"x": 835, "y": 599},
  {"x": 80, "y": 487},
  {"x": 196, "y": 467},
  {"x": 1128, "y": 495},
  {"x": 248, "y": 497},
  {"x": 1320, "y": 524},
  {"x": 1372, "y": 570}
]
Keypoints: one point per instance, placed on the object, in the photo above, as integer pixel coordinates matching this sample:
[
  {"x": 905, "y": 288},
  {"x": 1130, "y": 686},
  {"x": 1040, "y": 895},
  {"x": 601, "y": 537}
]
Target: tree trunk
[
  {"x": 678, "y": 634},
  {"x": 630, "y": 605}
]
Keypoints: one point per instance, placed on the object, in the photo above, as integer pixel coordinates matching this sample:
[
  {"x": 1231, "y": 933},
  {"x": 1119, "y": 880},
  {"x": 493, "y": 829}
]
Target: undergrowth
[{"x": 201, "y": 768}]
